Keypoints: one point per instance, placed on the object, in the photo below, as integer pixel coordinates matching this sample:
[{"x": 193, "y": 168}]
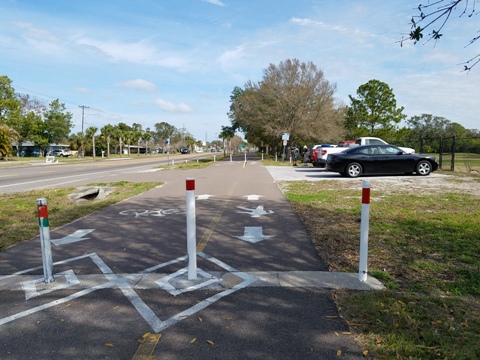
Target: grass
[
  {"x": 19, "y": 220},
  {"x": 424, "y": 247}
]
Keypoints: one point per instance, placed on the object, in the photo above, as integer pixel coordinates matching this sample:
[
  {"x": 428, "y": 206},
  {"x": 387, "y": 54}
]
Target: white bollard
[
  {"x": 45, "y": 240},
  {"x": 191, "y": 230},
  {"x": 230, "y": 157},
  {"x": 365, "y": 219},
  {"x": 214, "y": 158}
]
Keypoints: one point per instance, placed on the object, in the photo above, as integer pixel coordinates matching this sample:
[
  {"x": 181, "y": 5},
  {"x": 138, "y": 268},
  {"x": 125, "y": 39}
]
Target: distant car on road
[
  {"x": 380, "y": 159},
  {"x": 185, "y": 151}
]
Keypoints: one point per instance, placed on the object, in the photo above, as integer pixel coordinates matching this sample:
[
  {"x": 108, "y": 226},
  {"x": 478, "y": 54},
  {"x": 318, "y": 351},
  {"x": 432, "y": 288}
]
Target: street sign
[{"x": 285, "y": 136}]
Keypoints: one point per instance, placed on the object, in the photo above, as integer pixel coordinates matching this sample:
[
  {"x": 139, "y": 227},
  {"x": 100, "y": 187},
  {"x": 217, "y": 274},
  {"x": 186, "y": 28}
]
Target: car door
[
  {"x": 396, "y": 161},
  {"x": 370, "y": 159}
]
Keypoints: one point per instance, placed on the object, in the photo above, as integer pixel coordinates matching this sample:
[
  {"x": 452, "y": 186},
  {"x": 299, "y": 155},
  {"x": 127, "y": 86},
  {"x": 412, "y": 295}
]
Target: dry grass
[{"x": 423, "y": 245}]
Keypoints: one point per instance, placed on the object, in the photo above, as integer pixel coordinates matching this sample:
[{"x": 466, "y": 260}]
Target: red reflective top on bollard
[
  {"x": 190, "y": 184},
  {"x": 42, "y": 208},
  {"x": 366, "y": 192}
]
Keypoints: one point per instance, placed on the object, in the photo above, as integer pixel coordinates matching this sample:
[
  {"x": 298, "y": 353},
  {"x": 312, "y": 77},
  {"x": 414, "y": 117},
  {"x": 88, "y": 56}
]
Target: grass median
[
  {"x": 424, "y": 247},
  {"x": 19, "y": 220}
]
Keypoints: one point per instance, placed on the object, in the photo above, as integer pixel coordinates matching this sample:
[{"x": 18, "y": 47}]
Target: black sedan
[{"x": 379, "y": 159}]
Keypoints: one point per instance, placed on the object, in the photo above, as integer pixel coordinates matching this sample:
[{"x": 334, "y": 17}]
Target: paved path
[{"x": 122, "y": 292}]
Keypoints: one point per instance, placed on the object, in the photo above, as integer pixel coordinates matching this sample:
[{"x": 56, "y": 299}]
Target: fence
[{"x": 453, "y": 154}]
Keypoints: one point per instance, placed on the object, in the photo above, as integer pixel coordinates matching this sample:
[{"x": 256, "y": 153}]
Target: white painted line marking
[
  {"x": 121, "y": 282},
  {"x": 31, "y": 291},
  {"x": 253, "y": 197}
]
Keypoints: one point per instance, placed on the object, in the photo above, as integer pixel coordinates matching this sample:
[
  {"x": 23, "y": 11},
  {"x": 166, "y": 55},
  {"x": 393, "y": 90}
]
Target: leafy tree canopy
[
  {"x": 292, "y": 97},
  {"x": 373, "y": 112}
]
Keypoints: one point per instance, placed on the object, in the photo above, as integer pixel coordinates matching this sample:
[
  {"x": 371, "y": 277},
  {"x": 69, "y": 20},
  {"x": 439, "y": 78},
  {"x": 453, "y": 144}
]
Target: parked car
[
  {"x": 319, "y": 153},
  {"x": 185, "y": 151},
  {"x": 61, "y": 153},
  {"x": 380, "y": 159},
  {"x": 376, "y": 141}
]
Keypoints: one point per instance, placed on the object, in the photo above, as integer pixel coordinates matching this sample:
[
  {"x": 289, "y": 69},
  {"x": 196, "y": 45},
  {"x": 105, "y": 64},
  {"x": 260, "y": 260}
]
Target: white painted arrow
[
  {"x": 203, "y": 197},
  {"x": 259, "y": 211},
  {"x": 253, "y": 234},
  {"x": 76, "y": 236},
  {"x": 253, "y": 197}
]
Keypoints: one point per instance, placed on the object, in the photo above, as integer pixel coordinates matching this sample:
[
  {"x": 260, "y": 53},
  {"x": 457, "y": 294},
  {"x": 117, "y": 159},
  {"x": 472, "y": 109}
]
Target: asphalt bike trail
[{"x": 122, "y": 289}]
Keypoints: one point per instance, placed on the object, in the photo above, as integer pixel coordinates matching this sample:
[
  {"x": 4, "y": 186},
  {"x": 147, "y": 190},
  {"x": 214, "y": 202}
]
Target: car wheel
[
  {"x": 423, "y": 168},
  {"x": 353, "y": 170}
]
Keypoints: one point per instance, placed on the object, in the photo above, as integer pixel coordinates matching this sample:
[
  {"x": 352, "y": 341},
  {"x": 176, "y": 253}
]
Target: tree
[
  {"x": 427, "y": 126},
  {"x": 373, "y": 112},
  {"x": 190, "y": 141},
  {"x": 77, "y": 142},
  {"x": 137, "y": 134},
  {"x": 107, "y": 132},
  {"x": 7, "y": 136},
  {"x": 437, "y": 14},
  {"x": 28, "y": 120},
  {"x": 148, "y": 135},
  {"x": 293, "y": 97},
  {"x": 58, "y": 122},
  {"x": 164, "y": 131},
  {"x": 226, "y": 135},
  {"x": 9, "y": 104},
  {"x": 90, "y": 134}
]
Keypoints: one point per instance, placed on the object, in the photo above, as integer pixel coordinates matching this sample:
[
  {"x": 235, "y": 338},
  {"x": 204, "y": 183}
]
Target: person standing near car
[
  {"x": 305, "y": 155},
  {"x": 295, "y": 154}
]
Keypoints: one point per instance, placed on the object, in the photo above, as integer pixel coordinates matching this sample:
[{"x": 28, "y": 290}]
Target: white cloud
[
  {"x": 215, "y": 2},
  {"x": 314, "y": 23},
  {"x": 82, "y": 90},
  {"x": 138, "y": 84},
  {"x": 170, "y": 107},
  {"x": 140, "y": 52},
  {"x": 36, "y": 33}
]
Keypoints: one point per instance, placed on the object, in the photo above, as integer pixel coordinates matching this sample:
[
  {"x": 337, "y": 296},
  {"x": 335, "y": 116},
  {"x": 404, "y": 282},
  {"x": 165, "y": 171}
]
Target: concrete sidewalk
[{"x": 121, "y": 292}]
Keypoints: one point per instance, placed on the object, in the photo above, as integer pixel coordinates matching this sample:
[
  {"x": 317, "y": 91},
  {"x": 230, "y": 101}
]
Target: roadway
[{"x": 36, "y": 175}]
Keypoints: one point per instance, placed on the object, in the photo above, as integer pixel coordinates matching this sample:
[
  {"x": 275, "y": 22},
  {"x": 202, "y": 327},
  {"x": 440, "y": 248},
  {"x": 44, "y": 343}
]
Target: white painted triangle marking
[
  {"x": 76, "y": 236},
  {"x": 253, "y": 234}
]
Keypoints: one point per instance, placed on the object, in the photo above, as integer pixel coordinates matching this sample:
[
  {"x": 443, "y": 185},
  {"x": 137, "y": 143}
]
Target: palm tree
[
  {"x": 107, "y": 131},
  {"x": 7, "y": 136},
  {"x": 190, "y": 142},
  {"x": 90, "y": 133},
  {"x": 76, "y": 143}
]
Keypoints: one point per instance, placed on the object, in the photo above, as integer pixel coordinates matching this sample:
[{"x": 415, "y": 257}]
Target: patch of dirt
[{"x": 428, "y": 185}]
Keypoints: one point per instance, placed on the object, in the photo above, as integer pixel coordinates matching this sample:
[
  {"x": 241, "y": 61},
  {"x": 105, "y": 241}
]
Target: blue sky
[{"x": 148, "y": 61}]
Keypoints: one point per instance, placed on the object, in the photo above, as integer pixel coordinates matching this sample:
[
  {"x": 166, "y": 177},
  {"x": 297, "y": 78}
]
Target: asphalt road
[
  {"x": 39, "y": 174},
  {"x": 121, "y": 289}
]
